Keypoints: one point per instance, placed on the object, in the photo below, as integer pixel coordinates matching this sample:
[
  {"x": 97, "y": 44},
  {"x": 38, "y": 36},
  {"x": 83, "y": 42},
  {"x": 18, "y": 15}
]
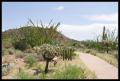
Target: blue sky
[{"x": 75, "y": 17}]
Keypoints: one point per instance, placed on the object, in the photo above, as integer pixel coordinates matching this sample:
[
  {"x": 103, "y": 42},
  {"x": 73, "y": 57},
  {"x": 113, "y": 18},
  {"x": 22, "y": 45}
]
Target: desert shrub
[
  {"x": 7, "y": 59},
  {"x": 24, "y": 75},
  {"x": 115, "y": 53},
  {"x": 8, "y": 51},
  {"x": 70, "y": 72},
  {"x": 93, "y": 53},
  {"x": 116, "y": 56},
  {"x": 40, "y": 57},
  {"x": 30, "y": 50},
  {"x": 77, "y": 45},
  {"x": 21, "y": 45},
  {"x": 19, "y": 54},
  {"x": 38, "y": 66},
  {"x": 30, "y": 60},
  {"x": 6, "y": 43},
  {"x": 4, "y": 51},
  {"x": 88, "y": 51},
  {"x": 11, "y": 51},
  {"x": 36, "y": 48}
]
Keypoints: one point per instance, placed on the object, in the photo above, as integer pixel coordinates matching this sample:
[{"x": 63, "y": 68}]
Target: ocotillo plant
[{"x": 35, "y": 35}]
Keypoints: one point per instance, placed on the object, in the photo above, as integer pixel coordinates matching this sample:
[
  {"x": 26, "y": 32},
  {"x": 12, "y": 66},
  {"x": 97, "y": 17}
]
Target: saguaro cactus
[{"x": 103, "y": 37}]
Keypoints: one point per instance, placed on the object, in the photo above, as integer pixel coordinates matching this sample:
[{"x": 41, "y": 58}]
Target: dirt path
[{"x": 102, "y": 69}]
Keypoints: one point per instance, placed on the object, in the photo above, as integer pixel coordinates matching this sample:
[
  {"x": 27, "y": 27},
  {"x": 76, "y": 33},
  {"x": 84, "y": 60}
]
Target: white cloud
[
  {"x": 60, "y": 8},
  {"x": 103, "y": 17},
  {"x": 85, "y": 32}
]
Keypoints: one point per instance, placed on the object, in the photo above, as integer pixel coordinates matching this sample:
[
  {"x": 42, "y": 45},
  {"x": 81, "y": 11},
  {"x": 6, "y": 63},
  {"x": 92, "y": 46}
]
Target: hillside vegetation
[{"x": 42, "y": 52}]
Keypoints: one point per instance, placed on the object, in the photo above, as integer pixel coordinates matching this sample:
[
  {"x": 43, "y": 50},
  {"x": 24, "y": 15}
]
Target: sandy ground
[
  {"x": 102, "y": 69},
  {"x": 19, "y": 63}
]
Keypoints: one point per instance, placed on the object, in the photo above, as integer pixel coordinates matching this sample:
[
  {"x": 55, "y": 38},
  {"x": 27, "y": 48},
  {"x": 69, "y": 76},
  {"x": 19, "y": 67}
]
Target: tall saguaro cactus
[{"x": 104, "y": 39}]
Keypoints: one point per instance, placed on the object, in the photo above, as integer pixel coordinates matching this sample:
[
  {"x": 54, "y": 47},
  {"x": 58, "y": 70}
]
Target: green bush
[
  {"x": 21, "y": 45},
  {"x": 30, "y": 60},
  {"x": 70, "y": 72}
]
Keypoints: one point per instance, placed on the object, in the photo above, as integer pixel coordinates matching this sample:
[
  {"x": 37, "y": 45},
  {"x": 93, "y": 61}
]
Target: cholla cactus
[
  {"x": 48, "y": 52},
  {"x": 36, "y": 48}
]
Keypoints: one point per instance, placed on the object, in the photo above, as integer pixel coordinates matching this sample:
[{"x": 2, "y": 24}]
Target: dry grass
[
  {"x": 87, "y": 72},
  {"x": 110, "y": 58},
  {"x": 75, "y": 62}
]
